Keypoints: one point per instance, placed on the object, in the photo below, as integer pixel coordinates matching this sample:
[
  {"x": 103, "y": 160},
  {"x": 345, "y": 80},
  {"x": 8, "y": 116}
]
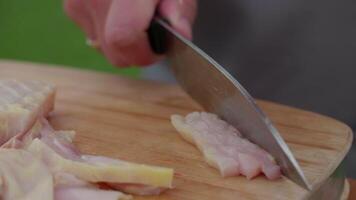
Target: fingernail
[
  {"x": 183, "y": 26},
  {"x": 93, "y": 43}
]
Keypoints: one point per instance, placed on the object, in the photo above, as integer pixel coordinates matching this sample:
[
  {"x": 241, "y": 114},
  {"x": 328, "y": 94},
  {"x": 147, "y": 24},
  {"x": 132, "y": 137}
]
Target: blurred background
[
  {"x": 39, "y": 31},
  {"x": 296, "y": 52}
]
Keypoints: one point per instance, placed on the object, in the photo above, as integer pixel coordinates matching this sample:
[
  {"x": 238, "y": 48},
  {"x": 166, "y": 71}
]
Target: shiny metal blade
[{"x": 218, "y": 92}]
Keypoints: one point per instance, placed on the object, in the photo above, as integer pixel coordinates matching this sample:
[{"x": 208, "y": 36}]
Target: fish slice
[{"x": 218, "y": 92}]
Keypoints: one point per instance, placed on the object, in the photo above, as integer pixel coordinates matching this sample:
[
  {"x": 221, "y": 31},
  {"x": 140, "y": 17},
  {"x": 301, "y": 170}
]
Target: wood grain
[
  {"x": 352, "y": 195},
  {"x": 129, "y": 119}
]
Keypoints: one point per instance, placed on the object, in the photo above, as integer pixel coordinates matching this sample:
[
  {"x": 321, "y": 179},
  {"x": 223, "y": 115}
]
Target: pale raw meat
[
  {"x": 60, "y": 154},
  {"x": 85, "y": 193},
  {"x": 223, "y": 146},
  {"x": 124, "y": 172},
  {"x": 52, "y": 167},
  {"x": 21, "y": 103},
  {"x": 68, "y": 187},
  {"x": 63, "y": 179},
  {"x": 21, "y": 140},
  {"x": 24, "y": 177},
  {"x": 59, "y": 143},
  {"x": 137, "y": 189}
]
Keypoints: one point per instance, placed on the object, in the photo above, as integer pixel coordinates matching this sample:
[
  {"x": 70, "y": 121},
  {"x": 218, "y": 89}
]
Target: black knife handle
[{"x": 157, "y": 37}]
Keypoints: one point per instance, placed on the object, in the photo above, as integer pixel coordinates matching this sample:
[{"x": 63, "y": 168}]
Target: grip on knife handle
[{"x": 157, "y": 37}]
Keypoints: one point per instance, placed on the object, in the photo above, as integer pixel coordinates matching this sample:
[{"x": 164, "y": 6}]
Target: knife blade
[{"x": 218, "y": 92}]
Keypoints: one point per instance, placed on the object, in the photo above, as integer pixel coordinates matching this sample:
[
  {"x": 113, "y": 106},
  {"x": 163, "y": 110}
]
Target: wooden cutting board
[
  {"x": 352, "y": 189},
  {"x": 129, "y": 119}
]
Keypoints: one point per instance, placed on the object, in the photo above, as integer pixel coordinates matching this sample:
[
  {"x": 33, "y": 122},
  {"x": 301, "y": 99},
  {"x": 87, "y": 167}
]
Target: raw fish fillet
[
  {"x": 120, "y": 172},
  {"x": 55, "y": 148},
  {"x": 21, "y": 103},
  {"x": 130, "y": 188},
  {"x": 137, "y": 189},
  {"x": 38, "y": 162},
  {"x": 86, "y": 193},
  {"x": 223, "y": 146},
  {"x": 68, "y": 187},
  {"x": 24, "y": 177}
]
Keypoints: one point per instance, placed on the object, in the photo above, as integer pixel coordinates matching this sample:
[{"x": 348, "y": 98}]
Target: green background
[{"x": 39, "y": 31}]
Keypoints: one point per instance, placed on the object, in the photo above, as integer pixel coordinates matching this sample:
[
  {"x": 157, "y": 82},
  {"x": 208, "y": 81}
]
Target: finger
[
  {"x": 97, "y": 11},
  {"x": 180, "y": 13},
  {"x": 77, "y": 11},
  {"x": 125, "y": 32}
]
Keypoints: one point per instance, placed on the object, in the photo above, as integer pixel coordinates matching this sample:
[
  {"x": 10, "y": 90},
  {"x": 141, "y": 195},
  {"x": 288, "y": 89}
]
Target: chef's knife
[{"x": 218, "y": 92}]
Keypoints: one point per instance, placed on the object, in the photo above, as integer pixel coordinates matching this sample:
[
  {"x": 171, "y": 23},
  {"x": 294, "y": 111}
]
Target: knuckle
[
  {"x": 117, "y": 61},
  {"x": 120, "y": 36}
]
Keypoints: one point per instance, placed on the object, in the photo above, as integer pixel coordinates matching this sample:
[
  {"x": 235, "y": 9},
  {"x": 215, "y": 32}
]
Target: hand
[{"x": 118, "y": 27}]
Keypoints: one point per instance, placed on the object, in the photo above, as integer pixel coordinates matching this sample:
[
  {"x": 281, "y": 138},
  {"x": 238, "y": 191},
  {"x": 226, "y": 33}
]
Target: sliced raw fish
[
  {"x": 130, "y": 188},
  {"x": 55, "y": 168},
  {"x": 68, "y": 187},
  {"x": 59, "y": 143},
  {"x": 223, "y": 146},
  {"x": 21, "y": 140},
  {"x": 24, "y": 176},
  {"x": 122, "y": 172},
  {"x": 21, "y": 103},
  {"x": 87, "y": 193},
  {"x": 137, "y": 189}
]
